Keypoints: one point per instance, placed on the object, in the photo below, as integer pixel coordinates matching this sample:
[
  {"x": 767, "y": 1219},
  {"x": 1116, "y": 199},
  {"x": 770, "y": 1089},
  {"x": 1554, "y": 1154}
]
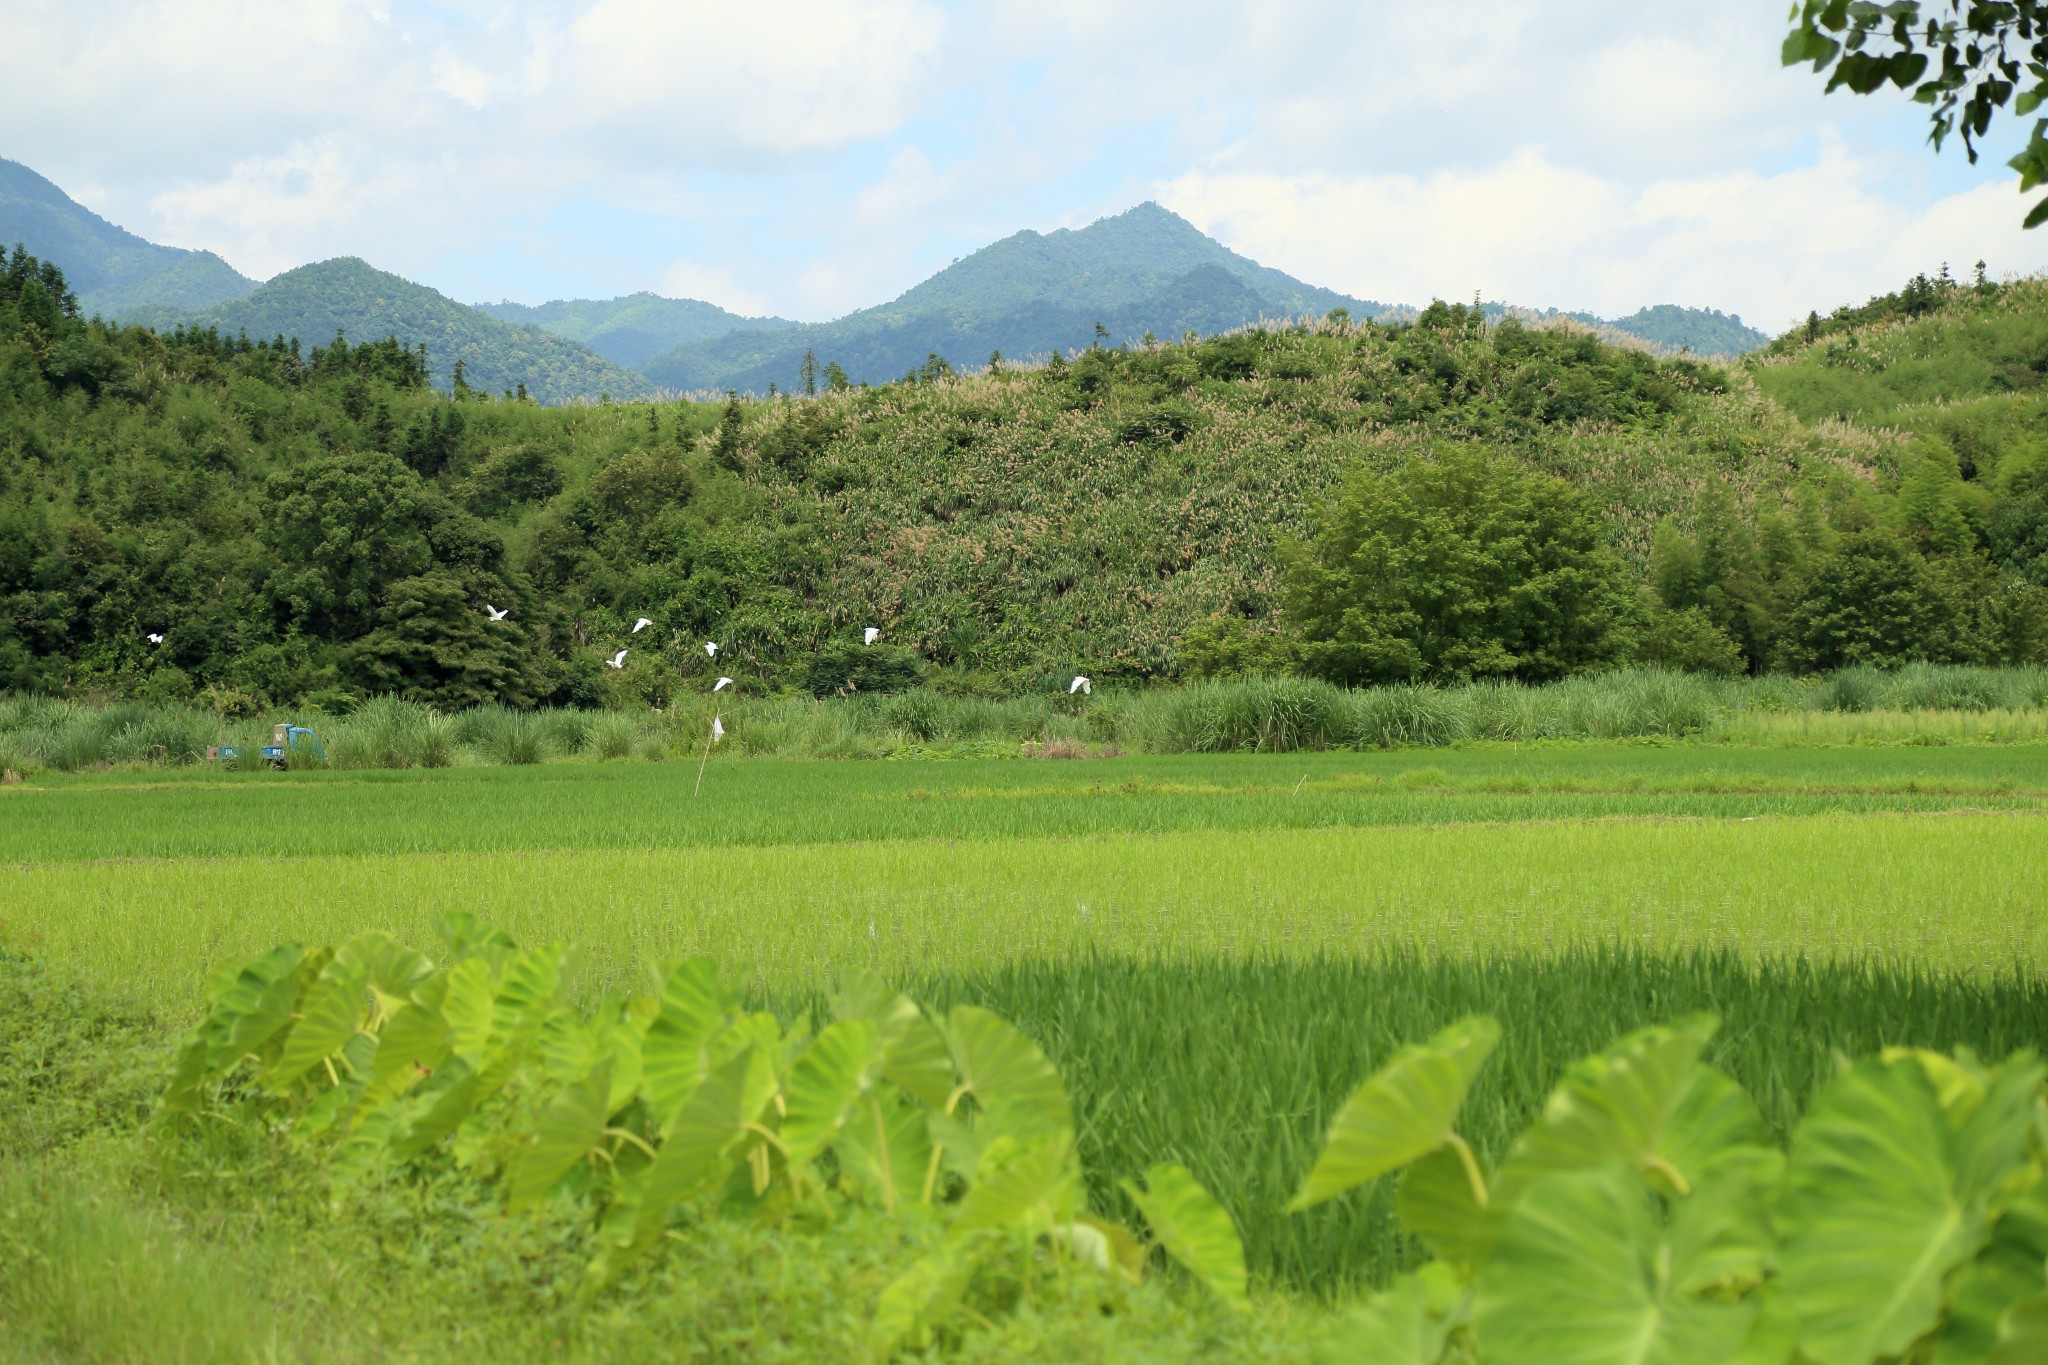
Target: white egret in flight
[
  {"x": 1082, "y": 685},
  {"x": 641, "y": 624},
  {"x": 154, "y": 639},
  {"x": 870, "y": 635},
  {"x": 721, "y": 684},
  {"x": 711, "y": 649},
  {"x": 617, "y": 660},
  {"x": 495, "y": 614}
]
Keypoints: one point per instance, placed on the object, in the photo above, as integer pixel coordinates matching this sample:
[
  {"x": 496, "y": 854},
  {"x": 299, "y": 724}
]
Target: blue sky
[{"x": 810, "y": 158}]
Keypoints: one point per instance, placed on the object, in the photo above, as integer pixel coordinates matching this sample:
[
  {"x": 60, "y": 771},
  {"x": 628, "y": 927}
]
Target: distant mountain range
[
  {"x": 111, "y": 270},
  {"x": 1143, "y": 271},
  {"x": 634, "y": 329}
]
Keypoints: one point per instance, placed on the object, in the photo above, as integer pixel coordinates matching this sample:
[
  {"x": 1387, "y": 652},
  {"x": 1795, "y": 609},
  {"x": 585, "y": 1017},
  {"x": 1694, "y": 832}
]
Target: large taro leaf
[
  {"x": 411, "y": 1046},
  {"x": 885, "y": 1148},
  {"x": 1023, "y": 1188},
  {"x": 1615, "y": 1106},
  {"x": 673, "y": 1057},
  {"x": 1711, "y": 1118},
  {"x": 1002, "y": 1068},
  {"x": 568, "y": 1128},
  {"x": 258, "y": 1004},
  {"x": 692, "y": 1160},
  {"x": 1402, "y": 1113},
  {"x": 466, "y": 1005},
  {"x": 329, "y": 1014},
  {"x": 914, "y": 1055},
  {"x": 392, "y": 970},
  {"x": 566, "y": 1045},
  {"x": 1583, "y": 1275},
  {"x": 1436, "y": 1202},
  {"x": 445, "y": 1100},
  {"x": 1195, "y": 1230},
  {"x": 1884, "y": 1199},
  {"x": 824, "y": 1087},
  {"x": 1407, "y": 1323},
  {"x": 1108, "y": 1247},
  {"x": 2022, "y": 1334},
  {"x": 2011, "y": 1269},
  {"x": 920, "y": 1299},
  {"x": 526, "y": 994}
]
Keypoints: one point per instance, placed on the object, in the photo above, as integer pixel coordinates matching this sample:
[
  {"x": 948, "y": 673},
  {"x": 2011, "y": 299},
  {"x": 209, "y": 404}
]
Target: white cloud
[
  {"x": 1532, "y": 231},
  {"x": 692, "y": 280},
  {"x": 315, "y": 200},
  {"x": 800, "y": 76}
]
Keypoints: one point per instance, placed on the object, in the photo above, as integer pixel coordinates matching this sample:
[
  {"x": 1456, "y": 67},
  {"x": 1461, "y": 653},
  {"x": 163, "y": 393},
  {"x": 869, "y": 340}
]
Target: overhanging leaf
[
  {"x": 885, "y": 1148},
  {"x": 1403, "y": 1112},
  {"x": 1195, "y": 1230}
]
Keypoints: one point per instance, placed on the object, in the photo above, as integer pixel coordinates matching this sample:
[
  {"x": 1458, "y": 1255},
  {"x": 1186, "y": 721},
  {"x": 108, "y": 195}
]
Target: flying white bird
[
  {"x": 870, "y": 635},
  {"x": 154, "y": 639},
  {"x": 717, "y": 729},
  {"x": 1081, "y": 685},
  {"x": 497, "y": 615},
  {"x": 711, "y": 649},
  {"x": 721, "y": 684},
  {"x": 617, "y": 660},
  {"x": 641, "y": 624}
]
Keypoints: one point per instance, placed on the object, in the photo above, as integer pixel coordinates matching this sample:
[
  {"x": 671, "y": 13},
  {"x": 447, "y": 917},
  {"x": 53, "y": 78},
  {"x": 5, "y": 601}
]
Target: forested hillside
[
  {"x": 323, "y": 524},
  {"x": 347, "y": 295},
  {"x": 633, "y": 329},
  {"x": 113, "y": 270}
]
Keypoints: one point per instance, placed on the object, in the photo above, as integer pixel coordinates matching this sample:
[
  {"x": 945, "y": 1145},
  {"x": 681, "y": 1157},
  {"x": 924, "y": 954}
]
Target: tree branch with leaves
[{"x": 1965, "y": 60}]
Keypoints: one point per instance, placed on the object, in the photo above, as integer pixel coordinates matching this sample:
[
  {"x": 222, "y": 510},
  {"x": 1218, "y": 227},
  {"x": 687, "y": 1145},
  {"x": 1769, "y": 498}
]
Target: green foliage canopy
[{"x": 1459, "y": 567}]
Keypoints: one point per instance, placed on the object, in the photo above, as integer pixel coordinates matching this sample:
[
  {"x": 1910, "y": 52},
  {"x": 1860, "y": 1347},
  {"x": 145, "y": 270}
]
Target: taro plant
[
  {"x": 1647, "y": 1215},
  {"x": 654, "y": 1110}
]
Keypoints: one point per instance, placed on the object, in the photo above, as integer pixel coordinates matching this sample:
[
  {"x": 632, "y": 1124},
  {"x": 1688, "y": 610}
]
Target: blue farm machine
[{"x": 285, "y": 740}]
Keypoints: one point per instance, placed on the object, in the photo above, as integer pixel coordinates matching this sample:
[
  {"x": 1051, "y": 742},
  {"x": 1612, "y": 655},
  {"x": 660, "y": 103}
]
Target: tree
[
  {"x": 808, "y": 373},
  {"x": 1991, "y": 53},
  {"x": 725, "y": 449},
  {"x": 835, "y": 378},
  {"x": 1870, "y": 600},
  {"x": 1466, "y": 565}
]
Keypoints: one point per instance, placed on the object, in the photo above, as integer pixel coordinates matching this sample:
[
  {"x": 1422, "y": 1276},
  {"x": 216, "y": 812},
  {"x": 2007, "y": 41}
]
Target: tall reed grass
[{"x": 1919, "y": 704}]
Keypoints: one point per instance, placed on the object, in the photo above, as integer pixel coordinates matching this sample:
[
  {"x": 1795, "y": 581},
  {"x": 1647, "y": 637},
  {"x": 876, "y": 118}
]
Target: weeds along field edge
[
  {"x": 1949, "y": 892},
  {"x": 1918, "y": 704},
  {"x": 773, "y": 801}
]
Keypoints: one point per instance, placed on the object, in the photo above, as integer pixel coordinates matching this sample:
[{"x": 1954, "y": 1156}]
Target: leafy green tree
[
  {"x": 725, "y": 447},
  {"x": 343, "y": 529},
  {"x": 1965, "y": 60},
  {"x": 1466, "y": 565},
  {"x": 852, "y": 667},
  {"x": 432, "y": 644},
  {"x": 1870, "y": 600}
]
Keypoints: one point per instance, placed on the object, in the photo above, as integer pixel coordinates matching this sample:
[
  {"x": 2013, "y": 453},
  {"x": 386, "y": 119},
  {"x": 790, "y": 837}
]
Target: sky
[{"x": 810, "y": 157}]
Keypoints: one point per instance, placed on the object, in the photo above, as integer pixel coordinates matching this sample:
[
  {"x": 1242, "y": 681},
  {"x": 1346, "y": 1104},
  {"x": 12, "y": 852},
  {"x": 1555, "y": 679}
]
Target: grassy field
[{"x": 1212, "y": 949}]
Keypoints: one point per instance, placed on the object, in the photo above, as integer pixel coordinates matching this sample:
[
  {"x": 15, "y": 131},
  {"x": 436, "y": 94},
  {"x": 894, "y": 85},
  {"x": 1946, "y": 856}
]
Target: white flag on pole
[{"x": 717, "y": 729}]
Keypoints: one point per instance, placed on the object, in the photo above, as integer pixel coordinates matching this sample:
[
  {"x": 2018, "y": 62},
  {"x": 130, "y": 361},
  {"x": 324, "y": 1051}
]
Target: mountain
[
  {"x": 1702, "y": 331},
  {"x": 112, "y": 270},
  {"x": 632, "y": 329},
  {"x": 349, "y": 295},
  {"x": 1144, "y": 270}
]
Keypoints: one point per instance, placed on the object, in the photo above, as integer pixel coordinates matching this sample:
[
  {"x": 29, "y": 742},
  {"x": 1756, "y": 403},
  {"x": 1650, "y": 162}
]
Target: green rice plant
[{"x": 1892, "y": 729}]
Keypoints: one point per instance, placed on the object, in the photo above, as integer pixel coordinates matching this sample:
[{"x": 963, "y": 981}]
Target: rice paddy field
[{"x": 1213, "y": 949}]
